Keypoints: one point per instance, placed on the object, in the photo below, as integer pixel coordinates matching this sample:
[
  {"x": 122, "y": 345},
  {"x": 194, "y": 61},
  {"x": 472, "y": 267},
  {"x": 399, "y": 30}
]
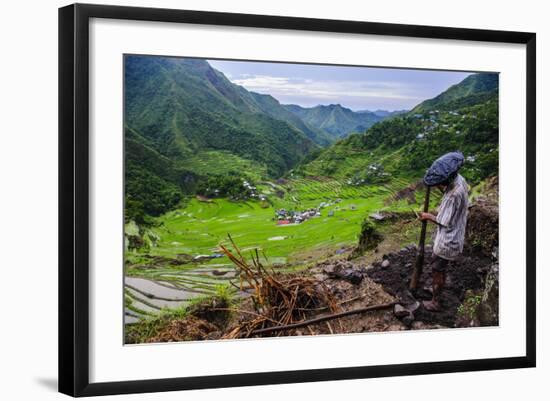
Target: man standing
[{"x": 450, "y": 220}]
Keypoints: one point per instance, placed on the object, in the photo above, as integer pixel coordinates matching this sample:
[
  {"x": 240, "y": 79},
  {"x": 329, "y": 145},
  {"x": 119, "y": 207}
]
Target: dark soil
[
  {"x": 212, "y": 310},
  {"x": 466, "y": 273},
  {"x": 190, "y": 328},
  {"x": 482, "y": 228}
]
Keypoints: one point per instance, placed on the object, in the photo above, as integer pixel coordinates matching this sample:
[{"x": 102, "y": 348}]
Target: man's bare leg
[{"x": 438, "y": 281}]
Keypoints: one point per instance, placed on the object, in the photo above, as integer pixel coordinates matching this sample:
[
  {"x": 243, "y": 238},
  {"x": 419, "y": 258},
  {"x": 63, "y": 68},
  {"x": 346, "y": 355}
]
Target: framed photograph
[{"x": 251, "y": 199}]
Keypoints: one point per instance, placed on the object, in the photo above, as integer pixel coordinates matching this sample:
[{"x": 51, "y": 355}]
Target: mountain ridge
[
  {"x": 177, "y": 108},
  {"x": 473, "y": 89},
  {"x": 335, "y": 119},
  {"x": 183, "y": 106},
  {"x": 181, "y": 113},
  {"x": 464, "y": 117}
]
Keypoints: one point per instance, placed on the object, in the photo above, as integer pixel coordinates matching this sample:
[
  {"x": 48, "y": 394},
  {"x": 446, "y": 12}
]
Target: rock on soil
[
  {"x": 343, "y": 270},
  {"x": 467, "y": 273},
  {"x": 400, "y": 311}
]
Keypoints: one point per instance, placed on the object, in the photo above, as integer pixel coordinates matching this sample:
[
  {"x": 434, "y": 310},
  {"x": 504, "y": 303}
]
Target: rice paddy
[{"x": 186, "y": 262}]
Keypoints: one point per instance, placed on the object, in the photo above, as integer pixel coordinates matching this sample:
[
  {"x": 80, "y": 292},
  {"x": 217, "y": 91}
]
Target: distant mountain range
[
  {"x": 338, "y": 121},
  {"x": 183, "y": 106},
  {"x": 464, "y": 117},
  {"x": 185, "y": 121},
  {"x": 179, "y": 111},
  {"x": 384, "y": 113}
]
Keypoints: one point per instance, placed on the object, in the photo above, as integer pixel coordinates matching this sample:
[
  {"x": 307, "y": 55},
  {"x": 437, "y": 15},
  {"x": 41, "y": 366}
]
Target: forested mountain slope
[
  {"x": 336, "y": 120},
  {"x": 474, "y": 89},
  {"x": 183, "y": 106},
  {"x": 176, "y": 109},
  {"x": 465, "y": 118}
]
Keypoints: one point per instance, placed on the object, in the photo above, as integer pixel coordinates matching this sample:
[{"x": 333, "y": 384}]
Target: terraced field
[
  {"x": 325, "y": 188},
  {"x": 148, "y": 292},
  {"x": 217, "y": 162},
  {"x": 193, "y": 235},
  {"x": 345, "y": 161}
]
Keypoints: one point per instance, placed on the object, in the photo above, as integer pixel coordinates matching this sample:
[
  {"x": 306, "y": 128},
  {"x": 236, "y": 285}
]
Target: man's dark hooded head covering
[{"x": 444, "y": 169}]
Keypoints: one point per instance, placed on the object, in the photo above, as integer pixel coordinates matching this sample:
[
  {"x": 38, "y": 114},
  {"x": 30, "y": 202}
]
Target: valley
[
  {"x": 212, "y": 168},
  {"x": 193, "y": 235}
]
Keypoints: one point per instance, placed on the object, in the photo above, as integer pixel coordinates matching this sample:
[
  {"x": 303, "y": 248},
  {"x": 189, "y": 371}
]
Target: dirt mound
[
  {"x": 385, "y": 216},
  {"x": 190, "y": 328},
  {"x": 482, "y": 228},
  {"x": 213, "y": 310},
  {"x": 353, "y": 296},
  {"x": 408, "y": 193},
  {"x": 394, "y": 272}
]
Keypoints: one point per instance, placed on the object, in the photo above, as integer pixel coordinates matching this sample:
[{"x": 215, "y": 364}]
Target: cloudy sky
[{"x": 357, "y": 88}]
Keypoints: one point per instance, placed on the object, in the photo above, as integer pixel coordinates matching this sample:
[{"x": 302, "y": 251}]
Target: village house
[{"x": 284, "y": 216}]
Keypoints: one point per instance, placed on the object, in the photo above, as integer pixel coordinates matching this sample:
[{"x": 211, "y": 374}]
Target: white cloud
[{"x": 326, "y": 90}]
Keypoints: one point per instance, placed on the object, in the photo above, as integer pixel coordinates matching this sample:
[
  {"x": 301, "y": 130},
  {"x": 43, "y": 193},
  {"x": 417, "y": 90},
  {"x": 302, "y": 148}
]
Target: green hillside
[
  {"x": 405, "y": 146},
  {"x": 271, "y": 106},
  {"x": 336, "y": 120},
  {"x": 207, "y": 160},
  {"x": 183, "y": 106},
  {"x": 177, "y": 109},
  {"x": 190, "y": 130},
  {"x": 474, "y": 89}
]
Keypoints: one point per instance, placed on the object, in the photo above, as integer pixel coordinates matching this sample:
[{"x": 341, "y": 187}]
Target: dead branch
[
  {"x": 278, "y": 299},
  {"x": 322, "y": 319}
]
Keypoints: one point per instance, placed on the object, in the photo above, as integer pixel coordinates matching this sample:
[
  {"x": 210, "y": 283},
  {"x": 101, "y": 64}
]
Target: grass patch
[
  {"x": 200, "y": 227},
  {"x": 223, "y": 162}
]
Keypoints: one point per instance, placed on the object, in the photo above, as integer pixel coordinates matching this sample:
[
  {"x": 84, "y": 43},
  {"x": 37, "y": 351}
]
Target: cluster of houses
[
  {"x": 284, "y": 216},
  {"x": 431, "y": 119},
  {"x": 372, "y": 174},
  {"x": 252, "y": 190},
  {"x": 432, "y": 122},
  {"x": 433, "y": 114}
]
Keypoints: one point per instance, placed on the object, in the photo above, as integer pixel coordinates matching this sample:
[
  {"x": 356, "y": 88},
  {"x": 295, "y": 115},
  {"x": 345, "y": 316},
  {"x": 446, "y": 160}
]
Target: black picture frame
[{"x": 74, "y": 198}]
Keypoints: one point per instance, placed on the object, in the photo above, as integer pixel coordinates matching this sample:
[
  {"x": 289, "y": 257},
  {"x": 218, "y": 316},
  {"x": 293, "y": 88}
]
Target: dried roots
[{"x": 278, "y": 299}]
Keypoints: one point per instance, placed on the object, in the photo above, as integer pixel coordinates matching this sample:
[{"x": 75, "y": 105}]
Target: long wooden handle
[{"x": 420, "y": 255}]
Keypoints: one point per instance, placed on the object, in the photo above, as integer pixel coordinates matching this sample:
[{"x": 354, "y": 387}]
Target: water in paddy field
[{"x": 147, "y": 296}]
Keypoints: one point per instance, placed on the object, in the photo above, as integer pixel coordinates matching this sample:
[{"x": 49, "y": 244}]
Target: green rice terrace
[
  {"x": 182, "y": 261},
  {"x": 239, "y": 209}
]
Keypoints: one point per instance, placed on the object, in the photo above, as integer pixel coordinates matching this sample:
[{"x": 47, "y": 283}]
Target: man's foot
[
  {"x": 429, "y": 289},
  {"x": 432, "y": 306}
]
